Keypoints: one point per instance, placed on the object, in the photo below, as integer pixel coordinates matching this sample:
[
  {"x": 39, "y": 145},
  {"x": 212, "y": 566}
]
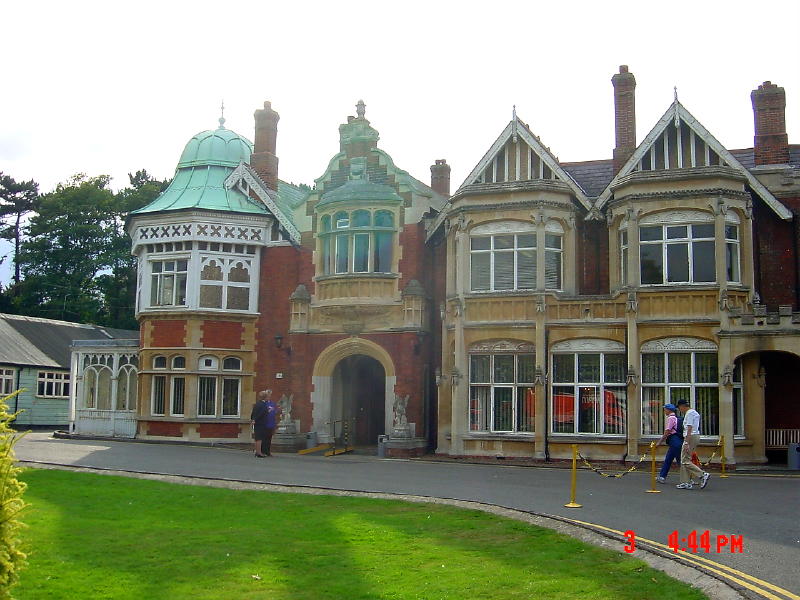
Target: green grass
[{"x": 96, "y": 536}]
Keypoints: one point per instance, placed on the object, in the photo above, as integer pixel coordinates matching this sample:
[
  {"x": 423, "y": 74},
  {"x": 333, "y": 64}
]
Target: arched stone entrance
[
  {"x": 358, "y": 398},
  {"x": 353, "y": 378}
]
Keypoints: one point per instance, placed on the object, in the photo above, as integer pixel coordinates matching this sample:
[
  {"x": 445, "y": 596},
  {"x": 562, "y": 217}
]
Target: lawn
[{"x": 97, "y": 536}]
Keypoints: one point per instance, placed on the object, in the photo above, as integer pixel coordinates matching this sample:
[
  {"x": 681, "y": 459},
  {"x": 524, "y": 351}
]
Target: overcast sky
[{"x": 112, "y": 87}]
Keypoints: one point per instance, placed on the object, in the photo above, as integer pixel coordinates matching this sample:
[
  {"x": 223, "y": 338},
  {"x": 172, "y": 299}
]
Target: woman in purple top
[
  {"x": 674, "y": 439},
  {"x": 263, "y": 418}
]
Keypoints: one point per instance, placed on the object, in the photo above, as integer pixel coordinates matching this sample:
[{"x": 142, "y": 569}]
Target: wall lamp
[{"x": 279, "y": 344}]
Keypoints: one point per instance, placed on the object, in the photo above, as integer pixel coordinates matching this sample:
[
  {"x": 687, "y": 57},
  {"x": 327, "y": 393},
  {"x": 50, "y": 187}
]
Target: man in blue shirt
[{"x": 263, "y": 418}]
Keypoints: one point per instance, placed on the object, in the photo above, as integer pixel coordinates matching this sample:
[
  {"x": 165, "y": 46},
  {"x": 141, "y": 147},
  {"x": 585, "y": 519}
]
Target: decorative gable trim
[
  {"x": 245, "y": 173},
  {"x": 677, "y": 113},
  {"x": 517, "y": 129}
]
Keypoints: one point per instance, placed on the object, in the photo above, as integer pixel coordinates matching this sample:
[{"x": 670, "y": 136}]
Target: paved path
[{"x": 764, "y": 510}]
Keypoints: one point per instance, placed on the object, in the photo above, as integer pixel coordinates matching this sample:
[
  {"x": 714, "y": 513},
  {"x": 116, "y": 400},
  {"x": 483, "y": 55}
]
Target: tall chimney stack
[
  {"x": 769, "y": 110},
  {"x": 624, "y": 116},
  {"x": 264, "y": 160},
  {"x": 440, "y": 177}
]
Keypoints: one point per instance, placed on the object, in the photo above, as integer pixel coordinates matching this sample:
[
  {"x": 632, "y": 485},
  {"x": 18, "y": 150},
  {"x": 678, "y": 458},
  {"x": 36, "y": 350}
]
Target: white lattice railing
[{"x": 781, "y": 438}]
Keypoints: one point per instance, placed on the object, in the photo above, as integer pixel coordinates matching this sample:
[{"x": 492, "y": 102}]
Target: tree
[
  {"x": 68, "y": 245},
  {"x": 12, "y": 559},
  {"x": 118, "y": 283},
  {"x": 16, "y": 200}
]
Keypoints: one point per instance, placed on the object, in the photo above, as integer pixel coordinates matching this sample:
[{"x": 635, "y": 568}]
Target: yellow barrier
[
  {"x": 572, "y": 503},
  {"x": 653, "y": 489},
  {"x": 722, "y": 458}
]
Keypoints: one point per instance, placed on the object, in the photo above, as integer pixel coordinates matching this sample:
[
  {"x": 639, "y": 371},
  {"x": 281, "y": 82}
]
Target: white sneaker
[
  {"x": 684, "y": 486},
  {"x": 704, "y": 481},
  {"x": 661, "y": 480}
]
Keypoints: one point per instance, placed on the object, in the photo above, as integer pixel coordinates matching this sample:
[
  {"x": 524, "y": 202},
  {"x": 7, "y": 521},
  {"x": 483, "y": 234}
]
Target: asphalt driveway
[{"x": 765, "y": 511}]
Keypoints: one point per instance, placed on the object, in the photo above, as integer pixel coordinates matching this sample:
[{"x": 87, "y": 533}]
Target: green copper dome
[
  {"x": 199, "y": 183},
  {"x": 216, "y": 147}
]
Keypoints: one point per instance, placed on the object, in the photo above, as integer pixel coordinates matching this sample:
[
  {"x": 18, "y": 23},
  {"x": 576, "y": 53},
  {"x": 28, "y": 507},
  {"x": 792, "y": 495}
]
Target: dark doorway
[
  {"x": 359, "y": 399},
  {"x": 781, "y": 409}
]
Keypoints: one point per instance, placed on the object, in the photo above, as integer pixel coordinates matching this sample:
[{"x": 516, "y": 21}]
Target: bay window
[
  {"x": 356, "y": 242},
  {"x": 677, "y": 253},
  {"x": 680, "y": 374},
  {"x": 501, "y": 395},
  {"x": 679, "y": 247},
  {"x": 588, "y": 393},
  {"x": 503, "y": 257}
]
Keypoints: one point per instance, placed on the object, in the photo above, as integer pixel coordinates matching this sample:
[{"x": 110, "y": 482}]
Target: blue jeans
[{"x": 673, "y": 453}]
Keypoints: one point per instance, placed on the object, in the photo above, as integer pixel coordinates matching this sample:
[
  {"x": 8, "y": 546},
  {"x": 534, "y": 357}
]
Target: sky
[{"x": 113, "y": 87}]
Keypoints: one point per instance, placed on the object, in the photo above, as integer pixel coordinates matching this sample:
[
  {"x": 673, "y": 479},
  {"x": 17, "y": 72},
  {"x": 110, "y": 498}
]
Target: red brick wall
[
  {"x": 306, "y": 348},
  {"x": 775, "y": 256},
  {"x": 280, "y": 275},
  {"x": 219, "y": 430},
  {"x": 164, "y": 428},
  {"x": 222, "y": 334},
  {"x": 168, "y": 333},
  {"x": 412, "y": 239},
  {"x": 592, "y": 257}
]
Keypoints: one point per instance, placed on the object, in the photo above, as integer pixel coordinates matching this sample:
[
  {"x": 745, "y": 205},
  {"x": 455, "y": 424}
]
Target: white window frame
[
  {"x": 59, "y": 380},
  {"x": 226, "y": 264},
  {"x": 163, "y": 391},
  {"x": 7, "y": 381},
  {"x": 689, "y": 240},
  {"x": 157, "y": 280},
  {"x": 490, "y": 418},
  {"x": 492, "y": 252},
  {"x": 129, "y": 374},
  {"x": 173, "y": 398},
  {"x": 733, "y": 253}
]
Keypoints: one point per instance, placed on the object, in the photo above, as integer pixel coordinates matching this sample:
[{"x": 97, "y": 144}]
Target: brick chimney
[
  {"x": 264, "y": 160},
  {"x": 624, "y": 116},
  {"x": 440, "y": 177},
  {"x": 769, "y": 110}
]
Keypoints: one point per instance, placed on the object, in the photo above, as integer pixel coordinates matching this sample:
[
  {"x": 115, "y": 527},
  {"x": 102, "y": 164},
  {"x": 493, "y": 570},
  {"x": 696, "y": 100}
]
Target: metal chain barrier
[
  {"x": 614, "y": 475},
  {"x": 716, "y": 449}
]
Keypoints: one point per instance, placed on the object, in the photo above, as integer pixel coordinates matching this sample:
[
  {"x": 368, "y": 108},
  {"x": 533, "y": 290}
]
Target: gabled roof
[
  {"x": 517, "y": 129},
  {"x": 279, "y": 207},
  {"x": 33, "y": 341},
  {"x": 677, "y": 114}
]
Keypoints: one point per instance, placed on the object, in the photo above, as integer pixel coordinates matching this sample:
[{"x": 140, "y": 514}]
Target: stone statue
[
  {"x": 400, "y": 425},
  {"x": 286, "y": 409},
  {"x": 286, "y": 425}
]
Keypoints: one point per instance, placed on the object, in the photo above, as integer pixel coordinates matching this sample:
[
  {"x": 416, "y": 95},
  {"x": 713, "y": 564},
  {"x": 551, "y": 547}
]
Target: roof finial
[
  {"x": 222, "y": 115},
  {"x": 514, "y": 123},
  {"x": 677, "y": 115},
  {"x": 360, "y": 108}
]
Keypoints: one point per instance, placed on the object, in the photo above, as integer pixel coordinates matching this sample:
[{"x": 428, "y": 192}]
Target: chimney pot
[
  {"x": 264, "y": 159},
  {"x": 624, "y": 116},
  {"x": 440, "y": 177},
  {"x": 771, "y": 142}
]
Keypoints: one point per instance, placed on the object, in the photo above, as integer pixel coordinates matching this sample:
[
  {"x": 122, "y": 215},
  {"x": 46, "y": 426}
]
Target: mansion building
[{"x": 541, "y": 304}]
